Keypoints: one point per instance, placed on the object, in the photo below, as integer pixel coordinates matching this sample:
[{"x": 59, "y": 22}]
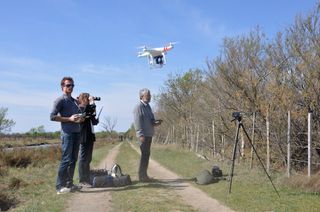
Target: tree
[
  {"x": 5, "y": 124},
  {"x": 109, "y": 124},
  {"x": 37, "y": 130}
]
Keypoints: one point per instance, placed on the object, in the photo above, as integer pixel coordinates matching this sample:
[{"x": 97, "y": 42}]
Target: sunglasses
[{"x": 69, "y": 85}]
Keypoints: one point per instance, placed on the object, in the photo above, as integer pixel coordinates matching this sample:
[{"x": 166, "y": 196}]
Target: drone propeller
[
  {"x": 144, "y": 47},
  {"x": 173, "y": 43}
]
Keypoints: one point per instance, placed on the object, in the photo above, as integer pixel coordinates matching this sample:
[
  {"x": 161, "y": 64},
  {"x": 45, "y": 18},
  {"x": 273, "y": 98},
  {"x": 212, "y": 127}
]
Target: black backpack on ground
[
  {"x": 216, "y": 171},
  {"x": 113, "y": 178}
]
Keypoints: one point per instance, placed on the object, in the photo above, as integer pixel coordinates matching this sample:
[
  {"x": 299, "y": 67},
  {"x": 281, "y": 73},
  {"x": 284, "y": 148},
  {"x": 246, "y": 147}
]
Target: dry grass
[
  {"x": 251, "y": 189},
  {"x": 308, "y": 184},
  {"x": 21, "y": 161},
  {"x": 28, "y": 157},
  {"x": 23, "y": 141},
  {"x": 7, "y": 202}
]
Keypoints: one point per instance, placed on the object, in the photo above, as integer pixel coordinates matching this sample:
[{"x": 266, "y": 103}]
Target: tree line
[
  {"x": 252, "y": 74},
  {"x": 108, "y": 124}
]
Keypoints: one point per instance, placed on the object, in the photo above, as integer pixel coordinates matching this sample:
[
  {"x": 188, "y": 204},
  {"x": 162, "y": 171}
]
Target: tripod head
[{"x": 237, "y": 116}]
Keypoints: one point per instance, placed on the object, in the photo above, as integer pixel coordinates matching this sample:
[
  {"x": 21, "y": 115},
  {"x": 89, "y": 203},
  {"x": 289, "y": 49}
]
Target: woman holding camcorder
[{"x": 87, "y": 138}]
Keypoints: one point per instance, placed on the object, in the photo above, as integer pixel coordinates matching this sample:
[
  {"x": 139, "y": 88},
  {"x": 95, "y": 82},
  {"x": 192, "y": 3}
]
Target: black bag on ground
[
  {"x": 113, "y": 178},
  {"x": 102, "y": 181},
  {"x": 122, "y": 181}
]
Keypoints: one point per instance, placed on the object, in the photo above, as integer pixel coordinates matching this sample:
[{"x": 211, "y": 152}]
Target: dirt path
[
  {"x": 94, "y": 199},
  {"x": 99, "y": 199}
]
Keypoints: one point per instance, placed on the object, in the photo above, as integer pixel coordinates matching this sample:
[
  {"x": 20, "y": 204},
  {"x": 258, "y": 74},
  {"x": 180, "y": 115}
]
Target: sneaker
[
  {"x": 63, "y": 190},
  {"x": 85, "y": 185},
  {"x": 74, "y": 188}
]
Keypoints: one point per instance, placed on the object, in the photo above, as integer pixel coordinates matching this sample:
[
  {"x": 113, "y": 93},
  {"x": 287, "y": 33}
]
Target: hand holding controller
[{"x": 158, "y": 122}]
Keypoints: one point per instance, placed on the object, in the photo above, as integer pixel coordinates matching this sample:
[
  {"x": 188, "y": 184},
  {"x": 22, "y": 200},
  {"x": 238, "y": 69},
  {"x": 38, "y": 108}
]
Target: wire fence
[{"x": 279, "y": 147}]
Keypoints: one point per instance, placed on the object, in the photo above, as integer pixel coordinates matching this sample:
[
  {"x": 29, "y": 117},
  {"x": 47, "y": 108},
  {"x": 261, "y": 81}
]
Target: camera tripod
[{"x": 237, "y": 116}]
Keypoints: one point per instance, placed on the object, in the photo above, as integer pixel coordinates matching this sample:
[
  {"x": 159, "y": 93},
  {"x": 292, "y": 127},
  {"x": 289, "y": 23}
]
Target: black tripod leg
[
  {"x": 254, "y": 149},
  {"x": 234, "y": 156}
]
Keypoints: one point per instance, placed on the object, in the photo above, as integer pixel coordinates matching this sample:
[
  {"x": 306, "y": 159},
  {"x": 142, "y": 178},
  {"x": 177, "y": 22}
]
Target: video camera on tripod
[{"x": 238, "y": 117}]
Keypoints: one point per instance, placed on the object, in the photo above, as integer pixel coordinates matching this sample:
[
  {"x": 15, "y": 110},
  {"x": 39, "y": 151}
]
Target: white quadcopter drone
[{"x": 156, "y": 56}]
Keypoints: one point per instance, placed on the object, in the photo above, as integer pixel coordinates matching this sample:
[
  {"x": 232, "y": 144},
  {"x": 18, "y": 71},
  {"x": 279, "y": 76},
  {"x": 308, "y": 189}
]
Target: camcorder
[
  {"x": 90, "y": 110},
  {"x": 236, "y": 115}
]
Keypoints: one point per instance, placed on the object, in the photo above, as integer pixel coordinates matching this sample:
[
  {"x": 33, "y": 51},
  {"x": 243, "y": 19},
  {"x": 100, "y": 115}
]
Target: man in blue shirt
[{"x": 66, "y": 110}]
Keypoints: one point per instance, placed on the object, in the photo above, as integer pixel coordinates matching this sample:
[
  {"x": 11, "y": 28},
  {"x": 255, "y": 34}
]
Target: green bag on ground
[{"x": 205, "y": 177}]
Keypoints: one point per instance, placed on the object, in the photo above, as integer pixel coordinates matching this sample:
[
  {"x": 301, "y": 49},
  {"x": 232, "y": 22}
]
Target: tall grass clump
[
  {"x": 304, "y": 183},
  {"x": 24, "y": 172}
]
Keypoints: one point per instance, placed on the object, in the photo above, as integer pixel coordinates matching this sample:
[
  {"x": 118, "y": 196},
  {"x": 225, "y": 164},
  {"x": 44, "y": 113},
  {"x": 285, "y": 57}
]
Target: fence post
[
  {"x": 197, "y": 139},
  {"x": 289, "y": 145},
  {"x": 173, "y": 135},
  {"x": 309, "y": 144},
  {"x": 242, "y": 145},
  {"x": 167, "y": 138},
  {"x": 222, "y": 150},
  {"x": 214, "y": 140},
  {"x": 252, "y": 138},
  {"x": 268, "y": 143}
]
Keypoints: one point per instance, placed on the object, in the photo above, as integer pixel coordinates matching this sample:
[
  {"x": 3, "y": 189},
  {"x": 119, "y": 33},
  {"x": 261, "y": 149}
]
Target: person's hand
[
  {"x": 81, "y": 119},
  {"x": 157, "y": 122},
  {"x": 75, "y": 118},
  {"x": 141, "y": 138}
]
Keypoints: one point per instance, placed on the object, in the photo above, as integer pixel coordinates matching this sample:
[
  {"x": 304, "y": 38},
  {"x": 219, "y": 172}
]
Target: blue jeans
[
  {"x": 69, "y": 156},
  {"x": 84, "y": 161}
]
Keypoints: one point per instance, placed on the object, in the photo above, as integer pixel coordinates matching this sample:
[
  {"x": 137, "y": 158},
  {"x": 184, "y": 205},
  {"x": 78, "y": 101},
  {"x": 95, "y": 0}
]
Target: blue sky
[{"x": 95, "y": 42}]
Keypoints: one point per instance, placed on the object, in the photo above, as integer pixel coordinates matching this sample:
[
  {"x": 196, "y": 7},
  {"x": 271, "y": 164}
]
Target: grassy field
[
  {"x": 32, "y": 188},
  {"x": 30, "y": 184},
  {"x": 251, "y": 190}
]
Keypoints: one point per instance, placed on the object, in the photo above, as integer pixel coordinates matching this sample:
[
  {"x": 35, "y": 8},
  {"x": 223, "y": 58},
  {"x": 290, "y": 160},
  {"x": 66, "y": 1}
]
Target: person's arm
[
  {"x": 55, "y": 116},
  {"x": 94, "y": 120},
  {"x": 138, "y": 123},
  {"x": 74, "y": 118}
]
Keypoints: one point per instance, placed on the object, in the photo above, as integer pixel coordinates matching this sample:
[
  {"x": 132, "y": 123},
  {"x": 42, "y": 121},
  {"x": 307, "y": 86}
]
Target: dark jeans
[
  {"x": 84, "y": 161},
  {"x": 69, "y": 156},
  {"x": 145, "y": 155}
]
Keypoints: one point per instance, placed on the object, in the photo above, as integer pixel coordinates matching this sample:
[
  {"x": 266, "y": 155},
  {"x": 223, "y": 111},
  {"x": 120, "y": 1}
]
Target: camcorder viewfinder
[{"x": 95, "y": 98}]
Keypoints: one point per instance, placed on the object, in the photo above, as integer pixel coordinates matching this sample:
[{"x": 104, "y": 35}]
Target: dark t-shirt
[{"x": 66, "y": 106}]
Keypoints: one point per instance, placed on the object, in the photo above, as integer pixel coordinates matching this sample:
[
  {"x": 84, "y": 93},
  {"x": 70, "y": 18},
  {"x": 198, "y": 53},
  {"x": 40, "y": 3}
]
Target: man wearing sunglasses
[{"x": 66, "y": 110}]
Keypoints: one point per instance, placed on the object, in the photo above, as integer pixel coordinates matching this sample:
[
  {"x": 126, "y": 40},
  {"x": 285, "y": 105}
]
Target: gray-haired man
[{"x": 144, "y": 123}]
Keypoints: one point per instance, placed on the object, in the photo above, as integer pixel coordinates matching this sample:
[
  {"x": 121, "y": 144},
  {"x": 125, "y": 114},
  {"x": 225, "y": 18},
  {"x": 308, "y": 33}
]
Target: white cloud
[
  {"x": 21, "y": 61},
  {"x": 28, "y": 98},
  {"x": 25, "y": 70},
  {"x": 100, "y": 69}
]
